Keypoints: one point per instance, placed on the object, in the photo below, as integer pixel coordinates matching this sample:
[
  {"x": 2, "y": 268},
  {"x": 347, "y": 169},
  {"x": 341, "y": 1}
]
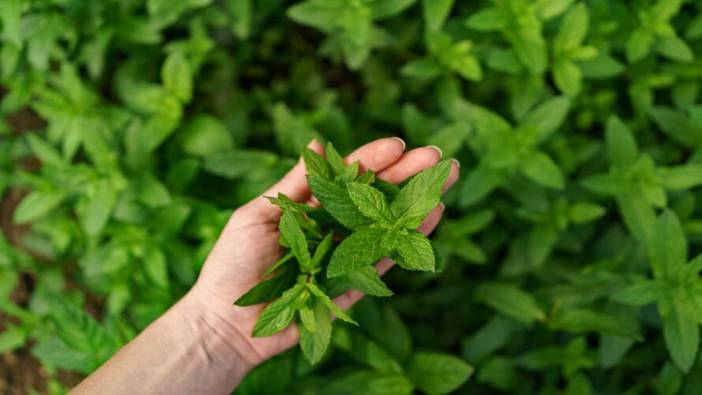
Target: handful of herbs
[{"x": 333, "y": 248}]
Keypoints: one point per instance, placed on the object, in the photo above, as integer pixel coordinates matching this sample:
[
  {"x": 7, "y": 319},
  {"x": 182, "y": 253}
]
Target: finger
[
  {"x": 379, "y": 154},
  {"x": 453, "y": 175},
  {"x": 410, "y": 164},
  {"x": 350, "y": 298}
]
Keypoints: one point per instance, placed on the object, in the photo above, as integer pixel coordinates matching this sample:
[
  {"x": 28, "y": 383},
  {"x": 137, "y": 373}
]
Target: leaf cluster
[{"x": 354, "y": 205}]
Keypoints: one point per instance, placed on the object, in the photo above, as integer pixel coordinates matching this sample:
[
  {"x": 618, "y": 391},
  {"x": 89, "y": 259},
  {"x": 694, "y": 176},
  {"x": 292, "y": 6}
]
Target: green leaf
[
  {"x": 37, "y": 205},
  {"x": 288, "y": 204},
  {"x": 206, "y": 135},
  {"x": 79, "y": 342},
  {"x": 683, "y": 129},
  {"x": 370, "y": 383},
  {"x": 365, "y": 351},
  {"x": 387, "y": 8},
  {"x": 389, "y": 189},
  {"x": 638, "y": 215},
  {"x": 292, "y": 133},
  {"x": 675, "y": 49},
  {"x": 335, "y": 160},
  {"x": 321, "y": 14},
  {"x": 315, "y": 164},
  {"x": 416, "y": 252},
  {"x": 435, "y": 12},
  {"x": 638, "y": 45},
  {"x": 268, "y": 290},
  {"x": 307, "y": 319},
  {"x": 52, "y": 351},
  {"x": 423, "y": 68},
  {"x": 367, "y": 178},
  {"x": 479, "y": 183},
  {"x": 371, "y": 202},
  {"x": 669, "y": 381},
  {"x": 622, "y": 150},
  {"x": 99, "y": 208},
  {"x": 349, "y": 174},
  {"x": 421, "y": 195},
  {"x": 151, "y": 192},
  {"x": 542, "y": 170},
  {"x": 667, "y": 247},
  {"x": 641, "y": 293},
  {"x": 613, "y": 349},
  {"x": 586, "y": 320},
  {"x": 607, "y": 184},
  {"x": 436, "y": 373},
  {"x": 44, "y": 151},
  {"x": 367, "y": 280},
  {"x": 573, "y": 28},
  {"x": 12, "y": 338},
  {"x": 601, "y": 67},
  {"x": 548, "y": 116},
  {"x": 295, "y": 238},
  {"x": 487, "y": 19},
  {"x": 681, "y": 334},
  {"x": 384, "y": 325},
  {"x": 582, "y": 212},
  {"x": 542, "y": 240},
  {"x": 234, "y": 163},
  {"x": 552, "y": 8},
  {"x": 694, "y": 29},
  {"x": 322, "y": 250},
  {"x": 465, "y": 64},
  {"x": 156, "y": 267},
  {"x": 314, "y": 344},
  {"x": 336, "y": 200},
  {"x": 361, "y": 249},
  {"x": 680, "y": 177},
  {"x": 568, "y": 77},
  {"x": 177, "y": 76},
  {"x": 530, "y": 47},
  {"x": 510, "y": 300},
  {"x": 333, "y": 307},
  {"x": 11, "y": 17},
  {"x": 279, "y": 314},
  {"x": 240, "y": 11}
]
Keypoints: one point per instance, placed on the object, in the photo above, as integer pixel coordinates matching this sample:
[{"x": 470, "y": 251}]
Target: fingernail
[
  {"x": 311, "y": 143},
  {"x": 456, "y": 162},
  {"x": 404, "y": 145},
  {"x": 437, "y": 149}
]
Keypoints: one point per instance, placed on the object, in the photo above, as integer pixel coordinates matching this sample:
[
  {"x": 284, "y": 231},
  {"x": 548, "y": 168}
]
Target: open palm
[{"x": 248, "y": 244}]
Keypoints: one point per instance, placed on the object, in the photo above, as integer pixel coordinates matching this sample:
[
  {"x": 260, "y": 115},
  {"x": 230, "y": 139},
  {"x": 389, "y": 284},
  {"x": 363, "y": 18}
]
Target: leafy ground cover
[{"x": 131, "y": 130}]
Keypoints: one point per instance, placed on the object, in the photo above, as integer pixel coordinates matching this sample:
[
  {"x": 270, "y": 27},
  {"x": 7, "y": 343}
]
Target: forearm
[{"x": 187, "y": 350}]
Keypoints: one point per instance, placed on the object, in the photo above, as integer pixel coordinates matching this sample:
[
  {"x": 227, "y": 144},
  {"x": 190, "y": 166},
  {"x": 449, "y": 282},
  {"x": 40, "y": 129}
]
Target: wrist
[{"x": 220, "y": 341}]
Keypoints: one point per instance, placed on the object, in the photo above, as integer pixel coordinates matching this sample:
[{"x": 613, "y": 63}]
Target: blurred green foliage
[{"x": 569, "y": 243}]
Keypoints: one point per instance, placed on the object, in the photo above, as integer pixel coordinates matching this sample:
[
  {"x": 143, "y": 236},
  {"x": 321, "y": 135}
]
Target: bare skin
[{"x": 203, "y": 344}]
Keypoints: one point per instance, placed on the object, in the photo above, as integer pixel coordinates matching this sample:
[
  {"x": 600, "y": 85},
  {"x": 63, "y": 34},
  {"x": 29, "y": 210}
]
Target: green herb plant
[{"x": 375, "y": 219}]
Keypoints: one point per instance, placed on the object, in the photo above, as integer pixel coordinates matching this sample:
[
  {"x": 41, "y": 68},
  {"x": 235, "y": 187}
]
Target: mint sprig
[{"x": 370, "y": 219}]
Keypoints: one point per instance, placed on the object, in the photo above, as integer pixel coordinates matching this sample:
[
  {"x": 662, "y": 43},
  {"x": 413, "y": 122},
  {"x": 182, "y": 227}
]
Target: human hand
[{"x": 248, "y": 245}]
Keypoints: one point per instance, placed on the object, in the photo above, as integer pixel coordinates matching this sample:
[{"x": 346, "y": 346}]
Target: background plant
[{"x": 132, "y": 129}]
